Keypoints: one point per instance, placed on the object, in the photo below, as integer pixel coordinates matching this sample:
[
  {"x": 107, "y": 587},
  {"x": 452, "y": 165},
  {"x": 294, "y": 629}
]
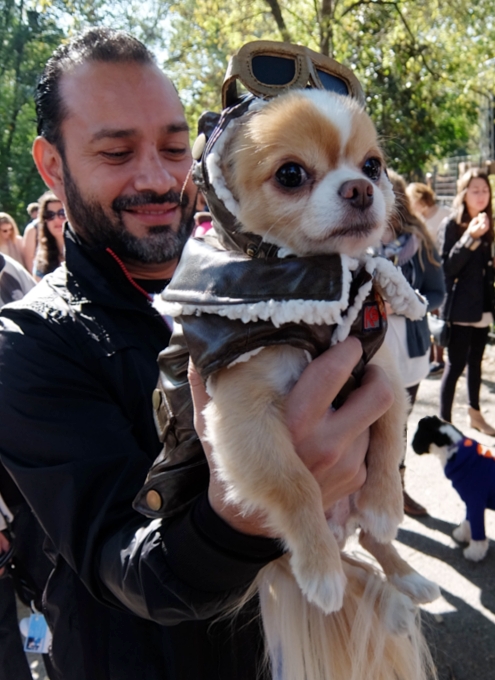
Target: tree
[
  {"x": 425, "y": 65},
  {"x": 411, "y": 57},
  {"x": 27, "y": 38}
]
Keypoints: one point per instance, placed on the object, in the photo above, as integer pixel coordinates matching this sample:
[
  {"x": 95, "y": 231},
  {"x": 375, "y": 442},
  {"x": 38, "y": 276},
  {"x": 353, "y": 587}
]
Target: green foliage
[
  {"x": 202, "y": 37},
  {"x": 425, "y": 65},
  {"x": 418, "y": 60},
  {"x": 27, "y": 38}
]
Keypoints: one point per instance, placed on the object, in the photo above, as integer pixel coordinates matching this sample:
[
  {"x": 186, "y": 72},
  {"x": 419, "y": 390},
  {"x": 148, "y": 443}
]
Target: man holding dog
[{"x": 129, "y": 597}]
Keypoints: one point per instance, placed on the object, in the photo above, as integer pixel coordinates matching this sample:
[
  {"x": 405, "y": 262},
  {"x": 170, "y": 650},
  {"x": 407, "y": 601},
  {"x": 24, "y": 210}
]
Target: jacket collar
[{"x": 92, "y": 275}]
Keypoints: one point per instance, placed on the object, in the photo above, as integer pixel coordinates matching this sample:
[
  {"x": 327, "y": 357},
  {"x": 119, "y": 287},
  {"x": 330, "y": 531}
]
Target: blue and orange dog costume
[{"x": 471, "y": 469}]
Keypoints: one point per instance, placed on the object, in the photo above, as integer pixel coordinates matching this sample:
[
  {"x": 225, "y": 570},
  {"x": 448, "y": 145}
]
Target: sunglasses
[
  {"x": 50, "y": 215},
  {"x": 267, "y": 68}
]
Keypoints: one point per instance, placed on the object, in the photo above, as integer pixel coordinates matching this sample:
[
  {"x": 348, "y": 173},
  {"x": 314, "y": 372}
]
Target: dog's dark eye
[
  {"x": 291, "y": 175},
  {"x": 372, "y": 168}
]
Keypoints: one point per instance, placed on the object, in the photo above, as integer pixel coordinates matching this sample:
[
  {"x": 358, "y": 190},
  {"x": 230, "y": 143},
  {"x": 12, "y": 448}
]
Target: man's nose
[{"x": 153, "y": 173}]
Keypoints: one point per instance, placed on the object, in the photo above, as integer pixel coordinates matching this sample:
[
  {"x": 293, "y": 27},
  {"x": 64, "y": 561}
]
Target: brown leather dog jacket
[{"x": 211, "y": 278}]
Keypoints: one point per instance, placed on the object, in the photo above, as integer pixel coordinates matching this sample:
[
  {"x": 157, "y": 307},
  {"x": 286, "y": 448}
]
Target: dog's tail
[{"x": 375, "y": 636}]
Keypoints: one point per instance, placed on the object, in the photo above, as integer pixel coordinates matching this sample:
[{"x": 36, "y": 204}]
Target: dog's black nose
[{"x": 359, "y": 193}]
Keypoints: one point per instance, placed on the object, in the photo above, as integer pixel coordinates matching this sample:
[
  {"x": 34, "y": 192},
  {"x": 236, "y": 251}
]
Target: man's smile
[{"x": 154, "y": 214}]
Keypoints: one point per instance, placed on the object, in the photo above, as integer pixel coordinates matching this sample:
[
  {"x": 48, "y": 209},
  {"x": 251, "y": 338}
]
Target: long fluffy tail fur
[{"x": 375, "y": 636}]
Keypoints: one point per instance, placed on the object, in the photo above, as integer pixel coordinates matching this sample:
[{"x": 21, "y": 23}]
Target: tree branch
[
  {"x": 279, "y": 19},
  {"x": 395, "y": 5},
  {"x": 326, "y": 32}
]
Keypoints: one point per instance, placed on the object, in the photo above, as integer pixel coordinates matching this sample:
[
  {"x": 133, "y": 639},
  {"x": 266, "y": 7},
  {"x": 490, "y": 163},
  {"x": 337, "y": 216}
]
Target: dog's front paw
[
  {"x": 420, "y": 589},
  {"x": 476, "y": 550},
  {"x": 380, "y": 513},
  {"x": 382, "y": 525},
  {"x": 462, "y": 533},
  {"x": 321, "y": 584}
]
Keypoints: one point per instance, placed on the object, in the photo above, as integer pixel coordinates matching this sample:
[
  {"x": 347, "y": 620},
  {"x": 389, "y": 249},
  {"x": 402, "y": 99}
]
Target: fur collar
[{"x": 278, "y": 298}]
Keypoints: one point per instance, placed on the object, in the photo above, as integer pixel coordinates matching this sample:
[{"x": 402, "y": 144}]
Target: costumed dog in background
[
  {"x": 471, "y": 469},
  {"x": 296, "y": 184}
]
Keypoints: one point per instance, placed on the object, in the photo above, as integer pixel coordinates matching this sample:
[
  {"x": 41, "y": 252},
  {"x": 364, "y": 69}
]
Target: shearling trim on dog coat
[
  {"x": 230, "y": 305},
  {"x": 471, "y": 469}
]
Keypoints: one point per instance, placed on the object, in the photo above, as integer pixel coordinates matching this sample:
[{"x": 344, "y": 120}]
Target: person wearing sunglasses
[{"x": 50, "y": 251}]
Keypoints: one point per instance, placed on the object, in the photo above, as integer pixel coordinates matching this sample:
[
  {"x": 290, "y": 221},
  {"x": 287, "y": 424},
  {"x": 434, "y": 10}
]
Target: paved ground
[{"x": 460, "y": 626}]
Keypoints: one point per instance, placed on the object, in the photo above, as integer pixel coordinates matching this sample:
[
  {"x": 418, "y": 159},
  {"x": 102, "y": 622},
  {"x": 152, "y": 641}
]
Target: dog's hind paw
[
  {"x": 325, "y": 590},
  {"x": 416, "y": 587},
  {"x": 398, "y": 612},
  {"x": 476, "y": 550}
]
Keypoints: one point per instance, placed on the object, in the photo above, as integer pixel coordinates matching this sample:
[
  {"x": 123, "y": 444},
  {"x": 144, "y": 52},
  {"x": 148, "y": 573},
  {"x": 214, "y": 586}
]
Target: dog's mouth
[
  {"x": 356, "y": 230},
  {"x": 353, "y": 230}
]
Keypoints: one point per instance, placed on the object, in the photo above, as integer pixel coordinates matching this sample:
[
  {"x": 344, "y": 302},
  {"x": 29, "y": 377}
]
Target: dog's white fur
[
  {"x": 326, "y": 616},
  {"x": 476, "y": 550}
]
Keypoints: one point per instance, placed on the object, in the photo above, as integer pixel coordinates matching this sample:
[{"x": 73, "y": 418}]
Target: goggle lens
[
  {"x": 271, "y": 70},
  {"x": 332, "y": 83}
]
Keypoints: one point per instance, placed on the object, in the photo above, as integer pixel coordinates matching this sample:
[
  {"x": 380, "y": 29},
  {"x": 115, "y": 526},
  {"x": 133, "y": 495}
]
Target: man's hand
[
  {"x": 4, "y": 546},
  {"x": 332, "y": 444}
]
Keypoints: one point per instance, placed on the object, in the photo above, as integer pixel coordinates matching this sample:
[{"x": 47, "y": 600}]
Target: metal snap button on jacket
[{"x": 154, "y": 500}]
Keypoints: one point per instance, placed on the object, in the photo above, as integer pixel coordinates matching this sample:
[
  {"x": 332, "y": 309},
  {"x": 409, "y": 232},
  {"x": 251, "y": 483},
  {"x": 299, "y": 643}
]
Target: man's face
[{"x": 126, "y": 160}]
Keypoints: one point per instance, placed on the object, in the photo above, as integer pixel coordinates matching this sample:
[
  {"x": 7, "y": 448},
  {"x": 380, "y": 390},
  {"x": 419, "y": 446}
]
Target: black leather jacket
[
  {"x": 472, "y": 270},
  {"x": 129, "y": 598}
]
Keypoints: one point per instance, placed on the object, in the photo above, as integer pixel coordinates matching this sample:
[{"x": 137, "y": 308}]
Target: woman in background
[
  {"x": 423, "y": 202},
  {"x": 50, "y": 252},
  {"x": 467, "y": 253},
  {"x": 10, "y": 239},
  {"x": 409, "y": 245}
]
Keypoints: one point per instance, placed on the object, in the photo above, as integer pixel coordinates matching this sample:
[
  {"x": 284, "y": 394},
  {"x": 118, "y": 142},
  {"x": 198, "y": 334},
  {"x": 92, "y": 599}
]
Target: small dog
[
  {"x": 304, "y": 171},
  {"x": 471, "y": 469}
]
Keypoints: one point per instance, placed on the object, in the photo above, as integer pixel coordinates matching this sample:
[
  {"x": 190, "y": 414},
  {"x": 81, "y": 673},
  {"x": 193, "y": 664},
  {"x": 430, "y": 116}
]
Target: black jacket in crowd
[
  {"x": 470, "y": 270},
  {"x": 129, "y": 597}
]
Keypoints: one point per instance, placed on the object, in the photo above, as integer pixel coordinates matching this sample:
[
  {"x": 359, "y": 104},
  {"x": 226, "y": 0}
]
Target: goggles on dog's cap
[{"x": 268, "y": 68}]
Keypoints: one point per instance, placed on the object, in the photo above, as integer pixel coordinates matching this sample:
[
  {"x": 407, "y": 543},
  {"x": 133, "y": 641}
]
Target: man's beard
[{"x": 162, "y": 244}]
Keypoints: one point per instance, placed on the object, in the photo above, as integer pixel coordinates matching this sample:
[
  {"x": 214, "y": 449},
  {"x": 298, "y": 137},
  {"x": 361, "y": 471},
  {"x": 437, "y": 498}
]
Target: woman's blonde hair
[
  {"x": 461, "y": 212},
  {"x": 5, "y": 217},
  {"x": 404, "y": 221}
]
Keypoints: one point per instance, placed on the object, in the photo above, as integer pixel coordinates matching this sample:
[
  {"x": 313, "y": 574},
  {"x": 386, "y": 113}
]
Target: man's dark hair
[{"x": 95, "y": 44}]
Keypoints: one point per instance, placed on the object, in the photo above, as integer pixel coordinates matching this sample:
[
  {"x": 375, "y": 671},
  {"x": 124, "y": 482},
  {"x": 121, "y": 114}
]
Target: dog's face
[
  {"x": 434, "y": 435},
  {"x": 309, "y": 175}
]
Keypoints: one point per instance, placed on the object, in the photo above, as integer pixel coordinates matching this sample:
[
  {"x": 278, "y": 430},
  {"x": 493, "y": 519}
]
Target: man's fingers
[
  {"x": 364, "y": 405},
  {"x": 321, "y": 382}
]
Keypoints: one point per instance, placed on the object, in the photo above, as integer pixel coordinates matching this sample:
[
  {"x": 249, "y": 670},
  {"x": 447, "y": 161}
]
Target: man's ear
[{"x": 50, "y": 166}]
